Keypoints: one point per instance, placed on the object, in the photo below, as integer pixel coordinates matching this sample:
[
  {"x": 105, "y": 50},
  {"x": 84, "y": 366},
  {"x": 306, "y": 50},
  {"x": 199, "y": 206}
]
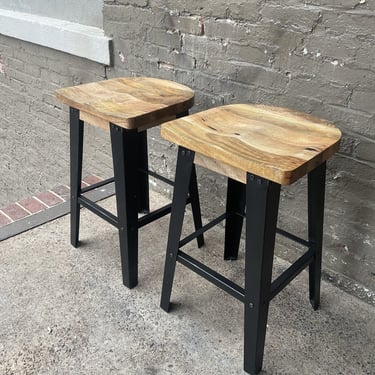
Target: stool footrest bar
[
  {"x": 97, "y": 185},
  {"x": 157, "y": 214},
  {"x": 154, "y": 215},
  {"x": 98, "y": 210},
  {"x": 282, "y": 232},
  {"x": 288, "y": 275},
  {"x": 292, "y": 237},
  {"x": 112, "y": 219},
  {"x": 159, "y": 177},
  {"x": 209, "y": 274},
  {"x": 200, "y": 231}
]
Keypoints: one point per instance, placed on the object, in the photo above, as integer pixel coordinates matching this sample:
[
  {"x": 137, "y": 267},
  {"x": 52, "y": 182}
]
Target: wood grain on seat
[
  {"x": 132, "y": 103},
  {"x": 278, "y": 144}
]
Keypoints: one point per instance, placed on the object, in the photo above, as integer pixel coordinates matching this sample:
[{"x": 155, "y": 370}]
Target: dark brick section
[
  {"x": 49, "y": 199},
  {"x": 14, "y": 211},
  {"x": 92, "y": 179},
  {"x": 52, "y": 213},
  {"x": 40, "y": 202},
  {"x": 63, "y": 191},
  {"x": 32, "y": 205},
  {"x": 4, "y": 220}
]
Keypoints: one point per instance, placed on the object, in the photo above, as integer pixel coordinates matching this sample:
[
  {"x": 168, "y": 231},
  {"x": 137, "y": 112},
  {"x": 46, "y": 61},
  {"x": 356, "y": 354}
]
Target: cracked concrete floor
[{"x": 65, "y": 311}]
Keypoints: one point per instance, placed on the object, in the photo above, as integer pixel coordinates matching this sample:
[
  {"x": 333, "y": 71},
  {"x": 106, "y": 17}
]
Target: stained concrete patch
[{"x": 65, "y": 311}]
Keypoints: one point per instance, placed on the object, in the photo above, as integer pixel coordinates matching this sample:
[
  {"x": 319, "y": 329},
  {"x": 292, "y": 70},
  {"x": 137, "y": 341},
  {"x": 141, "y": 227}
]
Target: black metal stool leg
[
  {"x": 76, "y": 150},
  {"x": 182, "y": 181},
  {"x": 316, "y": 192},
  {"x": 236, "y": 201},
  {"x": 262, "y": 202},
  {"x": 143, "y": 184},
  {"x": 195, "y": 205},
  {"x": 194, "y": 196},
  {"x": 124, "y": 150}
]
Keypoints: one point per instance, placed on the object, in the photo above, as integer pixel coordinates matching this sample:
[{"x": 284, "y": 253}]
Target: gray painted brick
[
  {"x": 216, "y": 9},
  {"x": 313, "y": 87},
  {"x": 363, "y": 100},
  {"x": 37, "y": 126},
  {"x": 365, "y": 151},
  {"x": 227, "y": 29},
  {"x": 202, "y": 47},
  {"x": 348, "y": 119},
  {"x": 184, "y": 24},
  {"x": 341, "y": 48},
  {"x": 166, "y": 38},
  {"x": 140, "y": 3},
  {"x": 133, "y": 15},
  {"x": 339, "y": 4},
  {"x": 14, "y": 63},
  {"x": 302, "y": 19},
  {"x": 247, "y": 54},
  {"x": 358, "y": 24}
]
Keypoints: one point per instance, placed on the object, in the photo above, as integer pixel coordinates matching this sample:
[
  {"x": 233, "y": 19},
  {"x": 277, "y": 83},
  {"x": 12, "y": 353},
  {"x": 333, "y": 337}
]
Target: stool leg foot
[
  {"x": 236, "y": 201},
  {"x": 262, "y": 197},
  {"x": 316, "y": 192},
  {"x": 195, "y": 205},
  {"x": 76, "y": 151},
  {"x": 143, "y": 184},
  {"x": 182, "y": 181},
  {"x": 124, "y": 147}
]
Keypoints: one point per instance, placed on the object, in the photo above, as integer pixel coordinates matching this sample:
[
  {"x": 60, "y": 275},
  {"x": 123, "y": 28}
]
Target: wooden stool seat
[
  {"x": 278, "y": 144},
  {"x": 131, "y": 103},
  {"x": 259, "y": 148},
  {"x": 127, "y": 107}
]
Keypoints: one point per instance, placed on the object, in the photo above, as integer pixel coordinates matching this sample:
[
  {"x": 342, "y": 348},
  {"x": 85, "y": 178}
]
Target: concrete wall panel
[{"x": 86, "y": 12}]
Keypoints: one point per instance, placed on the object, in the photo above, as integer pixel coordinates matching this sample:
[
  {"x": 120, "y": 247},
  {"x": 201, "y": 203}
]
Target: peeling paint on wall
[
  {"x": 121, "y": 56},
  {"x": 2, "y": 66}
]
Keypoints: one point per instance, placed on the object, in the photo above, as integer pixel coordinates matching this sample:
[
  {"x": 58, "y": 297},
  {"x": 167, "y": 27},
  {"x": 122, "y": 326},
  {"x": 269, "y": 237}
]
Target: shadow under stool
[
  {"x": 127, "y": 107},
  {"x": 259, "y": 148}
]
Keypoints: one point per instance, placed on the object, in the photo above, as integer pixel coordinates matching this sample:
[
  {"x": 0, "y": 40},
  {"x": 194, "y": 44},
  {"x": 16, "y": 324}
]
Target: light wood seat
[
  {"x": 278, "y": 144},
  {"x": 131, "y": 102}
]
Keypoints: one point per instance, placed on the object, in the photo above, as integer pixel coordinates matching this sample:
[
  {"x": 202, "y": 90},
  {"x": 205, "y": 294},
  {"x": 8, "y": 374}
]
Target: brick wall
[
  {"x": 313, "y": 56},
  {"x": 33, "y": 126}
]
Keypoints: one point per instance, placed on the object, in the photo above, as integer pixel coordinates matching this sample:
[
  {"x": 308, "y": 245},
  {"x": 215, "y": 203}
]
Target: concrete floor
[{"x": 65, "y": 311}]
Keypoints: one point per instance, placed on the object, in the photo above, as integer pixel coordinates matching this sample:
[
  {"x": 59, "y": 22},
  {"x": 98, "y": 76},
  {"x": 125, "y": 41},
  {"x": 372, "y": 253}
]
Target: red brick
[
  {"x": 32, "y": 205},
  {"x": 4, "y": 220},
  {"x": 49, "y": 198},
  {"x": 91, "y": 179},
  {"x": 62, "y": 191},
  {"x": 15, "y": 212}
]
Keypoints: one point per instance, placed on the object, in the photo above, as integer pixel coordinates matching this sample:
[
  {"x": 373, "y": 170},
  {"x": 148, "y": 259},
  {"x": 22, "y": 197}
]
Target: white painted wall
[
  {"x": 85, "y": 12},
  {"x": 72, "y": 26},
  {"x": 71, "y": 37}
]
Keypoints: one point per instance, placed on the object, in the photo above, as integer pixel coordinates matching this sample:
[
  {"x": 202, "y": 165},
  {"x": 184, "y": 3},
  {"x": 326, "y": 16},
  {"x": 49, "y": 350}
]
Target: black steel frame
[
  {"x": 260, "y": 199},
  {"x": 131, "y": 178}
]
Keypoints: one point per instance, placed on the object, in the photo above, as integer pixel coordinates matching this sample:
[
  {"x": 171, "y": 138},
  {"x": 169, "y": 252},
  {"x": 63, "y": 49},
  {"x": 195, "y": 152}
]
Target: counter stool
[
  {"x": 259, "y": 148},
  {"x": 127, "y": 107}
]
